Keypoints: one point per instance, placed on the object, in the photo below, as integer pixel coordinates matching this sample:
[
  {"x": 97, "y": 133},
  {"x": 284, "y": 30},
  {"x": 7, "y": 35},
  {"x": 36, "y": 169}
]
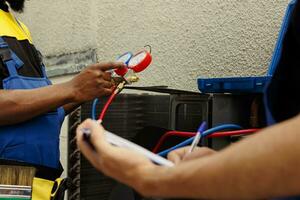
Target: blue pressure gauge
[{"x": 125, "y": 58}]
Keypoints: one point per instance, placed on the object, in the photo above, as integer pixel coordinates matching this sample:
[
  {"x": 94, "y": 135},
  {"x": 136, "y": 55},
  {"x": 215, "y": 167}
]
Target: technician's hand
[
  {"x": 93, "y": 82},
  {"x": 119, "y": 163},
  {"x": 181, "y": 154}
]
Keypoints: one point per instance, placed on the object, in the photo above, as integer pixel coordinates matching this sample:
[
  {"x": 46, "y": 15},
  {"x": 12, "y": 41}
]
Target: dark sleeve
[
  {"x": 296, "y": 22},
  {"x": 283, "y": 97}
]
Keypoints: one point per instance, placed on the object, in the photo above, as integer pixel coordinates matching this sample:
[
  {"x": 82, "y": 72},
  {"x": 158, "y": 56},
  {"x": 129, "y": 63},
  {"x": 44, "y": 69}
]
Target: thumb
[{"x": 96, "y": 133}]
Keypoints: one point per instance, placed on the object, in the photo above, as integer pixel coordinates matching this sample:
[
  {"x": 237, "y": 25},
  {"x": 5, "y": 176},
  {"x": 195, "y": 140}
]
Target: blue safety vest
[{"x": 35, "y": 141}]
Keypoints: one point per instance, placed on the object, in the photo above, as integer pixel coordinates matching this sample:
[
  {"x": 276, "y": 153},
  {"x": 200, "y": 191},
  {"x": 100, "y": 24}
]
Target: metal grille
[
  {"x": 131, "y": 113},
  {"x": 74, "y": 163},
  {"x": 127, "y": 116}
]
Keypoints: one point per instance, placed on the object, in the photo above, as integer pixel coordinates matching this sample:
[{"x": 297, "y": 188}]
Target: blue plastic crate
[{"x": 234, "y": 85}]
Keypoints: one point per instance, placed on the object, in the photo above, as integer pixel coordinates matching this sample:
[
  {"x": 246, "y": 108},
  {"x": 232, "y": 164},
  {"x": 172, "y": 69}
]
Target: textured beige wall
[{"x": 190, "y": 38}]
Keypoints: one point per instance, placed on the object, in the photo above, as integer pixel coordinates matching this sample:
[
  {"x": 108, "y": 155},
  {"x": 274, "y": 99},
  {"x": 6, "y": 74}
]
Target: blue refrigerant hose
[
  {"x": 205, "y": 133},
  {"x": 94, "y": 109}
]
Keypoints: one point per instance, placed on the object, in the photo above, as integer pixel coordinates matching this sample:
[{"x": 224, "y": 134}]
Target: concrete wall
[{"x": 190, "y": 38}]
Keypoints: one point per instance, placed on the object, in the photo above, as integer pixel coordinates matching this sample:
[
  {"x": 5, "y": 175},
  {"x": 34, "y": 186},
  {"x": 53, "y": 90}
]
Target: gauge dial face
[
  {"x": 137, "y": 59},
  {"x": 125, "y": 58}
]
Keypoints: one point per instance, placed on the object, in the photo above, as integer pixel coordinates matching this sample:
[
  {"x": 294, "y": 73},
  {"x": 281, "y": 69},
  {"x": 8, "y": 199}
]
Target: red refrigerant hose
[{"x": 192, "y": 134}]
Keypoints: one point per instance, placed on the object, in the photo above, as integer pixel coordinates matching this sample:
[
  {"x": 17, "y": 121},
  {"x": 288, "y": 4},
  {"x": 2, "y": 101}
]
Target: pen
[{"x": 197, "y": 138}]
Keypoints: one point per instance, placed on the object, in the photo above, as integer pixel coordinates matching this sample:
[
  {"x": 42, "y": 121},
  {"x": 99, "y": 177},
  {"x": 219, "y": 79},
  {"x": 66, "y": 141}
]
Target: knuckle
[
  {"x": 205, "y": 149},
  {"x": 100, "y": 74},
  {"x": 107, "y": 75},
  {"x": 90, "y": 71},
  {"x": 170, "y": 155},
  {"x": 100, "y": 81},
  {"x": 92, "y": 67},
  {"x": 110, "y": 63},
  {"x": 109, "y": 84}
]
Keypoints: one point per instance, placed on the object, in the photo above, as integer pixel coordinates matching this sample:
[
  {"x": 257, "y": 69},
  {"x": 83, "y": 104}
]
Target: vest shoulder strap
[{"x": 5, "y": 53}]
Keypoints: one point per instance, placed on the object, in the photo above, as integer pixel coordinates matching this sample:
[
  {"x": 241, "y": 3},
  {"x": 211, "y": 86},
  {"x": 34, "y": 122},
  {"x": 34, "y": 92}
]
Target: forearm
[
  {"x": 263, "y": 166},
  {"x": 21, "y": 105}
]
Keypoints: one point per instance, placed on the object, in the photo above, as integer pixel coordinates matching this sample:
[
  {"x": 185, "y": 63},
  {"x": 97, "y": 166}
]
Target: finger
[
  {"x": 107, "y": 76},
  {"x": 97, "y": 137},
  {"x": 117, "y": 79},
  {"x": 199, "y": 153},
  {"x": 86, "y": 148},
  {"x": 105, "y": 92},
  {"x": 85, "y": 124},
  {"x": 177, "y": 155},
  {"x": 174, "y": 157},
  {"x": 182, "y": 151},
  {"x": 109, "y": 65},
  {"x": 105, "y": 84}
]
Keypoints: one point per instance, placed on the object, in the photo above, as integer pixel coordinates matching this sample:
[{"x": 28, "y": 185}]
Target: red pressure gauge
[
  {"x": 125, "y": 58},
  {"x": 140, "y": 61}
]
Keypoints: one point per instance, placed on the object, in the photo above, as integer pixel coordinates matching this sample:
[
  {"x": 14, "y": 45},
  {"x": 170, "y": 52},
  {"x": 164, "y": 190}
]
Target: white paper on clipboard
[{"x": 121, "y": 142}]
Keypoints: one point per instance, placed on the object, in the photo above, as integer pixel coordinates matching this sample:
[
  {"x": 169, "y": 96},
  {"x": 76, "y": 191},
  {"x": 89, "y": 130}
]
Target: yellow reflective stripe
[
  {"x": 26, "y": 30},
  {"x": 11, "y": 28}
]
